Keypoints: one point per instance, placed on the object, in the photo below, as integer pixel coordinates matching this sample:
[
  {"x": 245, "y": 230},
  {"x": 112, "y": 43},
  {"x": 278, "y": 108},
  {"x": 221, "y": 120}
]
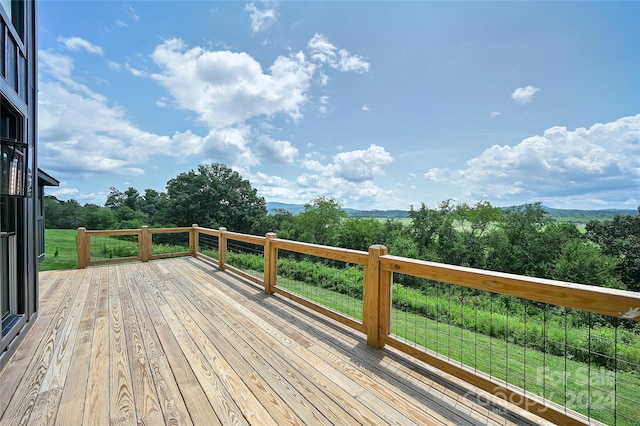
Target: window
[
  {"x": 15, "y": 12},
  {"x": 7, "y": 6},
  {"x": 14, "y": 179}
]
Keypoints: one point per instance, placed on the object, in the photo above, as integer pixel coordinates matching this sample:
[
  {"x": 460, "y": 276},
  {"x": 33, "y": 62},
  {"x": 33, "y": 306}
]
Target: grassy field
[{"x": 60, "y": 250}]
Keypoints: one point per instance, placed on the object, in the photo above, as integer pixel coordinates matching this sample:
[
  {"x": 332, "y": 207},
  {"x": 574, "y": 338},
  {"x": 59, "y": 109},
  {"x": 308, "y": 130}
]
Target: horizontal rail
[
  {"x": 208, "y": 231},
  {"x": 601, "y": 300},
  {"x": 169, "y": 230},
  {"x": 327, "y": 252},
  {"x": 112, "y": 233},
  {"x": 253, "y": 239}
]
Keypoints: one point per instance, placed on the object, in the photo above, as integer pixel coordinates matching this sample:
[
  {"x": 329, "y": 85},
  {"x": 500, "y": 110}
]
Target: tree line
[{"x": 523, "y": 239}]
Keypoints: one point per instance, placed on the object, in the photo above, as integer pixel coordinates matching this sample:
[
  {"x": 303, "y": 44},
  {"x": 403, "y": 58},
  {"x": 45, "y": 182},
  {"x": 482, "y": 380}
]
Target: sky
[{"x": 376, "y": 104}]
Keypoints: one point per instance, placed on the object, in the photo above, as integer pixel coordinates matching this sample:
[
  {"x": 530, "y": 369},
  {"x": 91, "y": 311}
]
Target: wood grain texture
[{"x": 179, "y": 342}]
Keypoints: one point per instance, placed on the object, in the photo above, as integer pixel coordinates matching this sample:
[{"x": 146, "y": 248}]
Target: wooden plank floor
[{"x": 176, "y": 341}]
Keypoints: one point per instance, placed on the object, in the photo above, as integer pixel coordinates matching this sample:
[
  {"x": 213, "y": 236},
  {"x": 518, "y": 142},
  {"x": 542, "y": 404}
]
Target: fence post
[
  {"x": 270, "y": 264},
  {"x": 81, "y": 247},
  {"x": 194, "y": 242},
  {"x": 222, "y": 248},
  {"x": 376, "y": 298},
  {"x": 143, "y": 244}
]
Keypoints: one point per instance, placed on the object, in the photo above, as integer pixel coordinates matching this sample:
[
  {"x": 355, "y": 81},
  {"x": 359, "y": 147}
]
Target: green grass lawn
[{"x": 60, "y": 250}]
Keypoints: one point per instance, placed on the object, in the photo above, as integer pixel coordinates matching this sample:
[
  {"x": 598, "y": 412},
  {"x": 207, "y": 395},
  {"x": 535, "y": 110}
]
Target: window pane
[
  {"x": 11, "y": 63},
  {"x": 2, "y": 49},
  {"x": 7, "y": 7},
  {"x": 22, "y": 78}
]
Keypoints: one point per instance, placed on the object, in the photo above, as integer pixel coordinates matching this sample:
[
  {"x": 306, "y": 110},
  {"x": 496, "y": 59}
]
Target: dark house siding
[{"x": 18, "y": 214}]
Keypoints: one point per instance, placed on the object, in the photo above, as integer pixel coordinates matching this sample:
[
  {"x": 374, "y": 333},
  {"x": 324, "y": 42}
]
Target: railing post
[
  {"x": 81, "y": 247},
  {"x": 143, "y": 245},
  {"x": 194, "y": 242},
  {"x": 222, "y": 248},
  {"x": 376, "y": 298},
  {"x": 270, "y": 264}
]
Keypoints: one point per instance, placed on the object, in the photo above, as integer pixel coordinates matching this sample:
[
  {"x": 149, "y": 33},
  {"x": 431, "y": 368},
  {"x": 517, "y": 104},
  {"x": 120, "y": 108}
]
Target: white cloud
[
  {"x": 324, "y": 78},
  {"x": 226, "y": 88},
  {"x": 494, "y": 114},
  {"x": 77, "y": 43},
  {"x": 364, "y": 108},
  {"x": 326, "y": 53},
  {"x": 64, "y": 191},
  {"x": 324, "y": 101},
  {"x": 260, "y": 19},
  {"x": 229, "y": 145},
  {"x": 524, "y": 95},
  {"x": 60, "y": 67},
  {"x": 134, "y": 71},
  {"x": 349, "y": 177},
  {"x": 360, "y": 165},
  {"x": 132, "y": 13},
  {"x": 80, "y": 132},
  {"x": 598, "y": 163},
  {"x": 276, "y": 151},
  {"x": 120, "y": 23}
]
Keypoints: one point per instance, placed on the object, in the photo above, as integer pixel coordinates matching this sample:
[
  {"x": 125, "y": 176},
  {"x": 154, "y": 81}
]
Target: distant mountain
[
  {"x": 299, "y": 208},
  {"x": 385, "y": 214},
  {"x": 293, "y": 208},
  {"x": 583, "y": 216},
  {"x": 561, "y": 215}
]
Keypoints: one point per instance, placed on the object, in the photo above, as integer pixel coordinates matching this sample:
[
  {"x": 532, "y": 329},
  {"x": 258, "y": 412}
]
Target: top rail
[
  {"x": 328, "y": 252},
  {"x": 601, "y": 300},
  {"x": 113, "y": 232}
]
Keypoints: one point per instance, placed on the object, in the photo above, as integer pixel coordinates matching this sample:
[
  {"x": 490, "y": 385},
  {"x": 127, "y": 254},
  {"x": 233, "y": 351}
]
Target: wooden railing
[{"x": 379, "y": 268}]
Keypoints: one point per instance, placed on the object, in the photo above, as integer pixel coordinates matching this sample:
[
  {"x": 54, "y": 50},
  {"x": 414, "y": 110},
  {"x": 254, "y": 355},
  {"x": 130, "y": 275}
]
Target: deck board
[{"x": 176, "y": 341}]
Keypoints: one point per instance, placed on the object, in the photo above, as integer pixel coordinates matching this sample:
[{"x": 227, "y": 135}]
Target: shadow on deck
[{"x": 176, "y": 341}]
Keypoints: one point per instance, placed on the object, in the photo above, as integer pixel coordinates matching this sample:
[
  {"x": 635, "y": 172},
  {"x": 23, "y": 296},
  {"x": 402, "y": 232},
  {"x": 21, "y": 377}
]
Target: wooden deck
[{"x": 176, "y": 341}]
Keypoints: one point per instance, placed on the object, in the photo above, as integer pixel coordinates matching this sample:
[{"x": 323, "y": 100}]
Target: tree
[
  {"x": 433, "y": 231},
  {"x": 518, "y": 244},
  {"x": 71, "y": 215},
  {"x": 583, "y": 262},
  {"x": 360, "y": 233},
  {"x": 319, "y": 223},
  {"x": 280, "y": 221},
  {"x": 620, "y": 237},
  {"x": 53, "y": 212},
  {"x": 115, "y": 198},
  {"x": 99, "y": 217},
  {"x": 154, "y": 204},
  {"x": 214, "y": 196},
  {"x": 131, "y": 198},
  {"x": 474, "y": 223}
]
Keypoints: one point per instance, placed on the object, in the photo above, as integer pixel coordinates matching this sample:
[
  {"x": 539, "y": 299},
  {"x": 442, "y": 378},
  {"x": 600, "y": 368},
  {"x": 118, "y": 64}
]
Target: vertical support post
[
  {"x": 374, "y": 312},
  {"x": 270, "y": 264},
  {"x": 386, "y": 279},
  {"x": 143, "y": 244},
  {"x": 194, "y": 243},
  {"x": 149, "y": 244},
  {"x": 222, "y": 248},
  {"x": 81, "y": 247}
]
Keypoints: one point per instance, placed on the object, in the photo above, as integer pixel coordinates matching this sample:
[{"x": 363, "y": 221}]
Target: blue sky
[{"x": 379, "y": 105}]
